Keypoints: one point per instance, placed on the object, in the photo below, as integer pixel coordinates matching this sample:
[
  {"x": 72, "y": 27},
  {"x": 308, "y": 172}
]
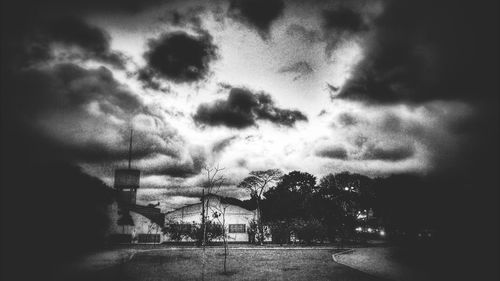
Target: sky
[{"x": 376, "y": 87}]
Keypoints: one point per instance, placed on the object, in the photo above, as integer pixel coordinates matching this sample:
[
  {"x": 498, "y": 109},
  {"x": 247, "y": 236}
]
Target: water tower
[{"x": 127, "y": 181}]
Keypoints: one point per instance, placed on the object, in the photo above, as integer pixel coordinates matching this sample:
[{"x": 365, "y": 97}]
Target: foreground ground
[
  {"x": 243, "y": 264},
  {"x": 389, "y": 263}
]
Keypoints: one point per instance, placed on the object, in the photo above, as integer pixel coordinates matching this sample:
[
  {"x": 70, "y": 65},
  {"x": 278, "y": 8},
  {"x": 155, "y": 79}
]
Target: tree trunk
[
  {"x": 203, "y": 238},
  {"x": 224, "y": 237},
  {"x": 225, "y": 255},
  {"x": 259, "y": 223},
  {"x": 225, "y": 242},
  {"x": 203, "y": 225}
]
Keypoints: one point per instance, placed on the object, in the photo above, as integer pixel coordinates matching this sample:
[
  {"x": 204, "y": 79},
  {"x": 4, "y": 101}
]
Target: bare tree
[
  {"x": 153, "y": 229},
  {"x": 257, "y": 183},
  {"x": 219, "y": 213},
  {"x": 212, "y": 185}
]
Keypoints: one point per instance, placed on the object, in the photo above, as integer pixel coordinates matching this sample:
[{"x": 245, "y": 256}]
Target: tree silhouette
[{"x": 256, "y": 184}]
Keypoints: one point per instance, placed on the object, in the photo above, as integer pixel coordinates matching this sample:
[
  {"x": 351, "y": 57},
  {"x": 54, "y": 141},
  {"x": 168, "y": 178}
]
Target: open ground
[{"x": 243, "y": 264}]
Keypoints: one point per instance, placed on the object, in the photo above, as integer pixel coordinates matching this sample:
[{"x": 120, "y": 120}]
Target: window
[
  {"x": 148, "y": 238},
  {"x": 237, "y": 228},
  {"x": 185, "y": 227}
]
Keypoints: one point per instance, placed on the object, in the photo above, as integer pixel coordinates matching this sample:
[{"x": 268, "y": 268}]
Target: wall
[
  {"x": 142, "y": 225},
  {"x": 234, "y": 215}
]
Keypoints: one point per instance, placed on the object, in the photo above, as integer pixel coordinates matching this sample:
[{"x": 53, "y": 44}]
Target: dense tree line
[{"x": 299, "y": 207}]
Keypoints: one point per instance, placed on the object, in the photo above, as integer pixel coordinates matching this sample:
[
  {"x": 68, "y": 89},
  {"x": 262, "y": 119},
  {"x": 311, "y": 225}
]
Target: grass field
[{"x": 243, "y": 264}]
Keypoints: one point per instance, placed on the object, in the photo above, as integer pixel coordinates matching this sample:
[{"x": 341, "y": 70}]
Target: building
[
  {"x": 133, "y": 223},
  {"x": 237, "y": 216},
  {"x": 130, "y": 222}
]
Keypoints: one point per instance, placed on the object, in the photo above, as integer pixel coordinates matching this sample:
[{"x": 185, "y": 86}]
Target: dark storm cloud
[
  {"x": 86, "y": 114},
  {"x": 183, "y": 171},
  {"x": 427, "y": 50},
  {"x": 220, "y": 145},
  {"x": 258, "y": 14},
  {"x": 235, "y": 112},
  {"x": 337, "y": 24},
  {"x": 300, "y": 68},
  {"x": 114, "y": 154},
  {"x": 178, "y": 168},
  {"x": 75, "y": 32},
  {"x": 341, "y": 23},
  {"x": 268, "y": 111},
  {"x": 391, "y": 153},
  {"x": 54, "y": 7},
  {"x": 179, "y": 57},
  {"x": 70, "y": 87},
  {"x": 149, "y": 80},
  {"x": 243, "y": 108},
  {"x": 78, "y": 39},
  {"x": 332, "y": 152},
  {"x": 29, "y": 25},
  {"x": 187, "y": 18},
  {"x": 82, "y": 115},
  {"x": 343, "y": 19}
]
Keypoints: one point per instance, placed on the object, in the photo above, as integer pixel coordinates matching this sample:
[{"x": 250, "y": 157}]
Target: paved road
[{"x": 243, "y": 264}]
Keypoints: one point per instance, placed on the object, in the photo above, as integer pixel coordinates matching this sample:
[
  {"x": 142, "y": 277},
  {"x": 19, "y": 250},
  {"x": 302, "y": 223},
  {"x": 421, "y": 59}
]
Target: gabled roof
[
  {"x": 153, "y": 214},
  {"x": 247, "y": 204}
]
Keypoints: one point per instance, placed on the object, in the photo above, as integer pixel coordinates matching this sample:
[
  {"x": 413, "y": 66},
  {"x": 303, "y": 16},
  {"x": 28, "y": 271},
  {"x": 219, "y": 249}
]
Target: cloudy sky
[{"x": 376, "y": 87}]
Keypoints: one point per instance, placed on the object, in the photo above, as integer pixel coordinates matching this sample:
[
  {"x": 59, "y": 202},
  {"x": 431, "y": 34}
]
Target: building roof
[
  {"x": 247, "y": 204},
  {"x": 153, "y": 214}
]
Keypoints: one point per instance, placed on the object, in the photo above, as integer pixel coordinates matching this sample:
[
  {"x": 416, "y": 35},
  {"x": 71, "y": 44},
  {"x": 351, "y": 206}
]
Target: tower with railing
[{"x": 127, "y": 181}]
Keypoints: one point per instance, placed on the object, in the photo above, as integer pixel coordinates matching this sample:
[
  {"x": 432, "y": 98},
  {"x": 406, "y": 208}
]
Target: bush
[
  {"x": 309, "y": 231},
  {"x": 252, "y": 232},
  {"x": 280, "y": 231},
  {"x": 181, "y": 231}
]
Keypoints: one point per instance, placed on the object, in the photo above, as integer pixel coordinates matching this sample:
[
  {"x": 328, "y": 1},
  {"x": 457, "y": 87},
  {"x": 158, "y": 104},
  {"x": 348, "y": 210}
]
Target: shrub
[
  {"x": 309, "y": 231},
  {"x": 181, "y": 231}
]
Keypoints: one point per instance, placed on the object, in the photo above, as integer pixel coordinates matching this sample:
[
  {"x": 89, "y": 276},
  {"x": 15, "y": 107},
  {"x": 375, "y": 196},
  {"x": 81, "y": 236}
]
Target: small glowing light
[
  {"x": 346, "y": 188},
  {"x": 370, "y": 230},
  {"x": 361, "y": 216},
  {"x": 382, "y": 233},
  {"x": 359, "y": 229}
]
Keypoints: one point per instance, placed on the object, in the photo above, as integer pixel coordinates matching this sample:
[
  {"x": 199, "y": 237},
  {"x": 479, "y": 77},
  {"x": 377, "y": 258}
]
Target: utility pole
[{"x": 130, "y": 149}]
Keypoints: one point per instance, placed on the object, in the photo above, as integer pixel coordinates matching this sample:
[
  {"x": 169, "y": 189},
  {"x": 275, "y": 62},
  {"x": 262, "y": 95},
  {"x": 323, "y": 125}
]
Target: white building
[
  {"x": 237, "y": 219},
  {"x": 132, "y": 223}
]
